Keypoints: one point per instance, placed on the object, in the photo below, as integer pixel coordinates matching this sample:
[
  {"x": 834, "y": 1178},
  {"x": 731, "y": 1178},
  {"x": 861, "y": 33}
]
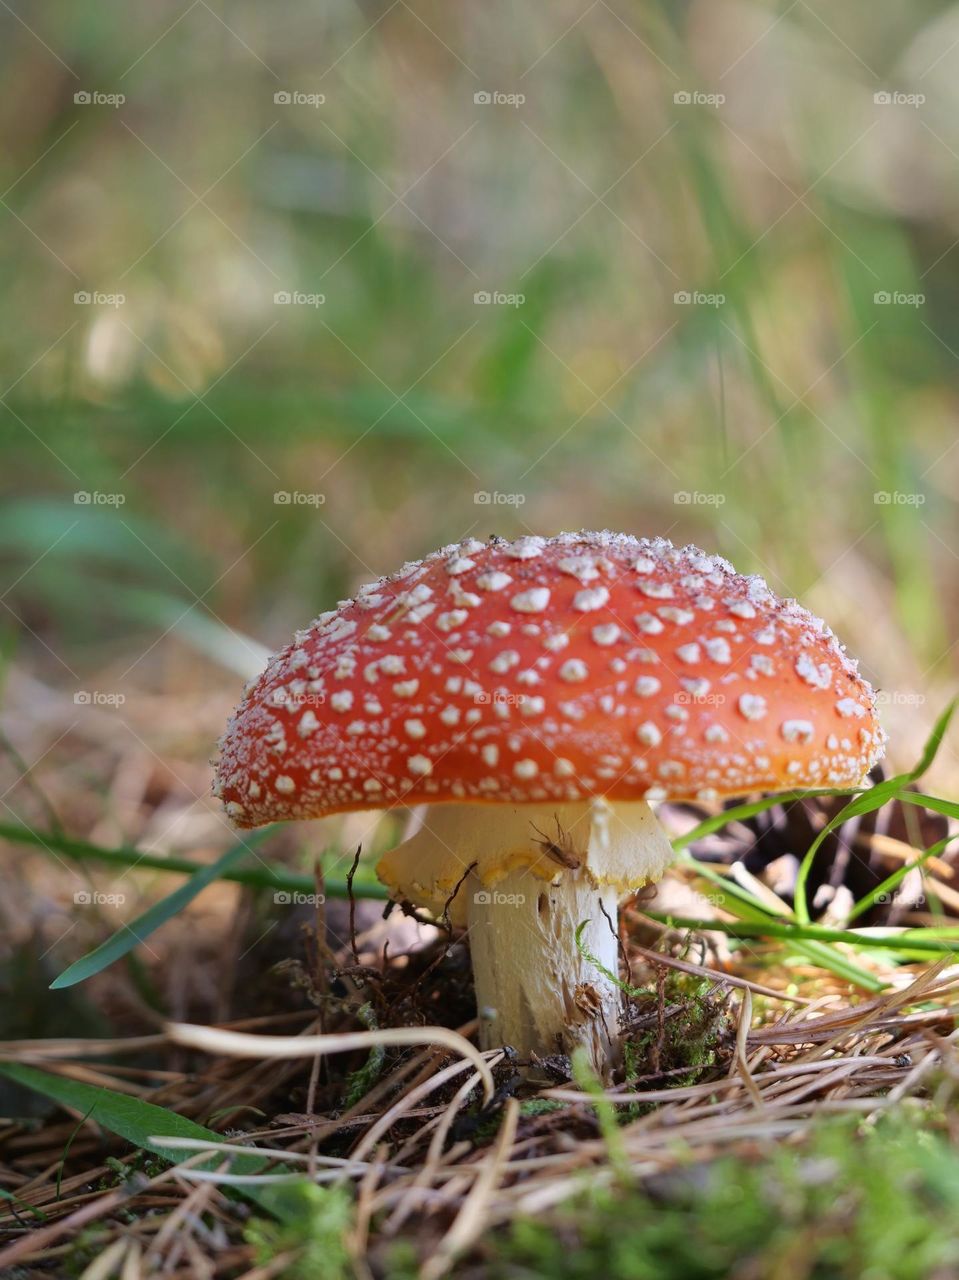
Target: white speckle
[
  {"x": 414, "y": 728},
  {"x": 832, "y": 742},
  {"x": 406, "y": 688},
  {"x": 607, "y": 704},
  {"x": 531, "y": 705},
  {"x": 372, "y": 784},
  {"x": 649, "y": 624},
  {"x": 725, "y": 624},
  {"x": 818, "y": 677},
  {"x": 526, "y": 548},
  {"x": 473, "y": 715},
  {"x": 680, "y": 616},
  {"x": 420, "y": 766},
  {"x": 671, "y": 769},
  {"x": 688, "y": 653},
  {"x": 643, "y": 564},
  {"x": 308, "y": 724},
  {"x": 718, "y": 649},
  {"x": 563, "y": 768},
  {"x": 646, "y": 686},
  {"x": 606, "y": 634},
  {"x": 678, "y": 713},
  {"x": 850, "y": 707},
  {"x": 573, "y": 671},
  {"x": 766, "y": 636},
  {"x": 752, "y": 706},
  {"x": 459, "y": 564},
  {"x": 572, "y": 711},
  {"x": 590, "y": 598},
  {"x": 716, "y": 733},
  {"x": 454, "y": 684},
  {"x": 555, "y": 642},
  {"x": 450, "y": 716},
  {"x": 534, "y": 600},
  {"x": 656, "y": 590},
  {"x": 582, "y": 567},
  {"x": 649, "y": 734},
  {"x": 342, "y": 700},
  {"x": 504, "y": 661},
  {"x": 420, "y": 612},
  {"x": 525, "y": 769},
  {"x": 490, "y": 755},
  {"x": 377, "y": 633},
  {"x": 762, "y": 663},
  {"x": 417, "y": 596},
  {"x": 698, "y": 687},
  {"x": 335, "y": 775},
  {"x": 741, "y": 608},
  {"x": 356, "y": 727},
  {"x": 461, "y": 656},
  {"x": 495, "y": 580},
  {"x": 286, "y": 786},
  {"x": 797, "y": 730},
  {"x": 652, "y": 794},
  {"x": 529, "y": 676},
  {"x": 392, "y": 665},
  {"x": 498, "y": 629},
  {"x": 450, "y": 621}
]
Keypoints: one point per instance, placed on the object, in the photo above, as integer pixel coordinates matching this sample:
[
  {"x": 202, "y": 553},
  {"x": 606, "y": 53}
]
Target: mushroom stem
[
  {"x": 537, "y": 872},
  {"x": 535, "y": 990}
]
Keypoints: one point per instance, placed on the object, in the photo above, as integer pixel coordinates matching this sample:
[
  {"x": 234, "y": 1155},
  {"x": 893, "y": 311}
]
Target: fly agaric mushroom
[{"x": 538, "y": 695}]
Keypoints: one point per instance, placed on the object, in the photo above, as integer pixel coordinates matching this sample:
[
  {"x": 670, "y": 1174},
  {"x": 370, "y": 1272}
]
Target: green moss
[
  {"x": 854, "y": 1202},
  {"x": 313, "y": 1222}
]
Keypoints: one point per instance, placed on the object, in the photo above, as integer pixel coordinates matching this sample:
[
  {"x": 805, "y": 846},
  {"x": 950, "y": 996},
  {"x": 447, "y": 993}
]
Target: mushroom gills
[{"x": 535, "y": 990}]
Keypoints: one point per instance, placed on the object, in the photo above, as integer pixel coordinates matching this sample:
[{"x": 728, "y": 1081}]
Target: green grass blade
[
  {"x": 875, "y": 798},
  {"x": 132, "y": 1119},
  {"x": 258, "y": 877},
  {"x": 891, "y": 882},
  {"x": 130, "y": 935}
]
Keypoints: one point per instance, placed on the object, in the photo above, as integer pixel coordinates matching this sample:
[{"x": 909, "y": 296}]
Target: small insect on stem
[{"x": 561, "y": 849}]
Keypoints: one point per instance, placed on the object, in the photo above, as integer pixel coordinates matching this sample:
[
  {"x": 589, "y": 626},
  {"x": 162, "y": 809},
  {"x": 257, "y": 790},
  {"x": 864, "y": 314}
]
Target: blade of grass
[
  {"x": 893, "y": 881},
  {"x": 132, "y": 1119},
  {"x": 260, "y": 877},
  {"x": 866, "y": 802},
  {"x": 130, "y": 935},
  {"x": 933, "y": 940}
]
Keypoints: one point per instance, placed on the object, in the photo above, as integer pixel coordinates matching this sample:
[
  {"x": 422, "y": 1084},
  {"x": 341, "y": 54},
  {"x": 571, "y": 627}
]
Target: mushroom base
[{"x": 562, "y": 1004}]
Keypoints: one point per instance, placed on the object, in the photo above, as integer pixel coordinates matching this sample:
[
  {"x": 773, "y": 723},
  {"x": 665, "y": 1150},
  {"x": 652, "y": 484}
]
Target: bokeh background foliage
[{"x": 632, "y": 154}]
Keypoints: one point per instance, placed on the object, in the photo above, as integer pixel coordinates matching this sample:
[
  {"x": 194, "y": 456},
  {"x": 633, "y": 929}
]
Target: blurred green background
[{"x": 430, "y": 270}]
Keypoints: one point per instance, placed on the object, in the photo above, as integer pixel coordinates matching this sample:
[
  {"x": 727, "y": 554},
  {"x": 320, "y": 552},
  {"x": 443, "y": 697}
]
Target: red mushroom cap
[{"x": 549, "y": 669}]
